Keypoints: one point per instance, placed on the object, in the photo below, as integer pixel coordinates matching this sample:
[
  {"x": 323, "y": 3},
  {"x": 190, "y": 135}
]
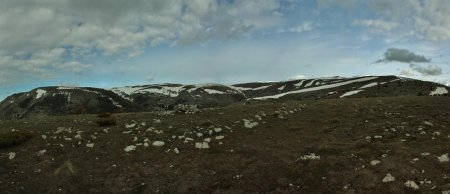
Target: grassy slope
[{"x": 262, "y": 159}]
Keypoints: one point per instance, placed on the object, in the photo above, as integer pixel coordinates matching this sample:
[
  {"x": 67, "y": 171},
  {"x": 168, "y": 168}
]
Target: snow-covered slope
[{"x": 71, "y": 100}]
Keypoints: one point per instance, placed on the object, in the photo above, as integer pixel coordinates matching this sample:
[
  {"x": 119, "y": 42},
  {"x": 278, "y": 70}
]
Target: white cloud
[
  {"x": 408, "y": 72},
  {"x": 377, "y": 24},
  {"x": 44, "y": 38},
  {"x": 430, "y": 70},
  {"x": 299, "y": 76}
]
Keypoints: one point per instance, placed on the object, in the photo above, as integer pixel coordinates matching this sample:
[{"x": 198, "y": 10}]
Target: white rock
[
  {"x": 41, "y": 152},
  {"x": 157, "y": 121},
  {"x": 446, "y": 192},
  {"x": 443, "y": 158},
  {"x": 176, "y": 150},
  {"x": 203, "y": 145},
  {"x": 158, "y": 143},
  {"x": 78, "y": 136},
  {"x": 130, "y": 148},
  {"x": 388, "y": 178},
  {"x": 377, "y": 137},
  {"x": 44, "y": 136},
  {"x": 145, "y": 144},
  {"x": 425, "y": 154},
  {"x": 90, "y": 145},
  {"x": 412, "y": 185},
  {"x": 135, "y": 139},
  {"x": 207, "y": 140},
  {"x": 374, "y": 162},
  {"x": 128, "y": 126},
  {"x": 199, "y": 134},
  {"x": 11, "y": 155},
  {"x": 217, "y": 130},
  {"x": 249, "y": 123},
  {"x": 220, "y": 137},
  {"x": 427, "y": 123},
  {"x": 311, "y": 156}
]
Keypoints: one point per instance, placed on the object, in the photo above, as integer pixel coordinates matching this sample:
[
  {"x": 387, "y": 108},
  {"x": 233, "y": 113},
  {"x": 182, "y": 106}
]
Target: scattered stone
[
  {"x": 377, "y": 137},
  {"x": 130, "y": 148},
  {"x": 146, "y": 144},
  {"x": 217, "y": 130},
  {"x": 157, "y": 121},
  {"x": 249, "y": 123},
  {"x": 158, "y": 143},
  {"x": 203, "y": 145},
  {"x": 374, "y": 162},
  {"x": 220, "y": 137},
  {"x": 41, "y": 152},
  {"x": 199, "y": 134},
  {"x": 427, "y": 123},
  {"x": 411, "y": 184},
  {"x": 207, "y": 140},
  {"x": 78, "y": 136},
  {"x": 176, "y": 150},
  {"x": 443, "y": 158},
  {"x": 44, "y": 136},
  {"x": 388, "y": 178},
  {"x": 128, "y": 126},
  {"x": 90, "y": 145},
  {"x": 11, "y": 155},
  {"x": 311, "y": 156}
]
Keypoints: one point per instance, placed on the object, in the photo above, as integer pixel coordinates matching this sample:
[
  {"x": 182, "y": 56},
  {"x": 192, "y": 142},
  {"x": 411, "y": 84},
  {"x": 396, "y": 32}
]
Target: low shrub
[{"x": 12, "y": 138}]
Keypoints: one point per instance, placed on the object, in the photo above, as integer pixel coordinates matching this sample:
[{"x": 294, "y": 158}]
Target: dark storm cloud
[{"x": 403, "y": 56}]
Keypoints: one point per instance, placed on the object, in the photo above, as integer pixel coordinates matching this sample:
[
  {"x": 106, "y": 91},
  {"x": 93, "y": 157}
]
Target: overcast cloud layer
[{"x": 106, "y": 43}]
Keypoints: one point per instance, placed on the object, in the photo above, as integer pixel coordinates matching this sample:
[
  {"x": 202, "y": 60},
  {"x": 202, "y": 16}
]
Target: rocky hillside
[
  {"x": 64, "y": 100},
  {"x": 70, "y": 100}
]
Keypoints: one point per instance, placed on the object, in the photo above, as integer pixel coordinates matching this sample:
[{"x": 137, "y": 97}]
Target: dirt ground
[{"x": 322, "y": 146}]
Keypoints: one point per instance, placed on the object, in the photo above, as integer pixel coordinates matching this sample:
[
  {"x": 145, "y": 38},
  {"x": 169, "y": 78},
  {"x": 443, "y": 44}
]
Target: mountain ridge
[{"x": 60, "y": 100}]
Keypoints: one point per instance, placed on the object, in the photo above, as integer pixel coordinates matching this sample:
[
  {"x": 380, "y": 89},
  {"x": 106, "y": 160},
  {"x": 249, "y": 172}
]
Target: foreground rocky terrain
[
  {"x": 46, "y": 101},
  {"x": 348, "y": 145}
]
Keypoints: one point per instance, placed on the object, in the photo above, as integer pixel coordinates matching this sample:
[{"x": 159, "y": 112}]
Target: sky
[{"x": 106, "y": 43}]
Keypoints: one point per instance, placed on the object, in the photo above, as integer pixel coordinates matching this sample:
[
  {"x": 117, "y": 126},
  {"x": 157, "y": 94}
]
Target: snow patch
[
  {"x": 210, "y": 91},
  {"x": 40, "y": 93},
  {"x": 369, "y": 85},
  {"x": 439, "y": 91},
  {"x": 317, "y": 88},
  {"x": 350, "y": 93}
]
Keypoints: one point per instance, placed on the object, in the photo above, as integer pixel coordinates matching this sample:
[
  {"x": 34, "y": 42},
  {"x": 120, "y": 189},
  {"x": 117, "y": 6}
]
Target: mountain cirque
[{"x": 160, "y": 97}]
